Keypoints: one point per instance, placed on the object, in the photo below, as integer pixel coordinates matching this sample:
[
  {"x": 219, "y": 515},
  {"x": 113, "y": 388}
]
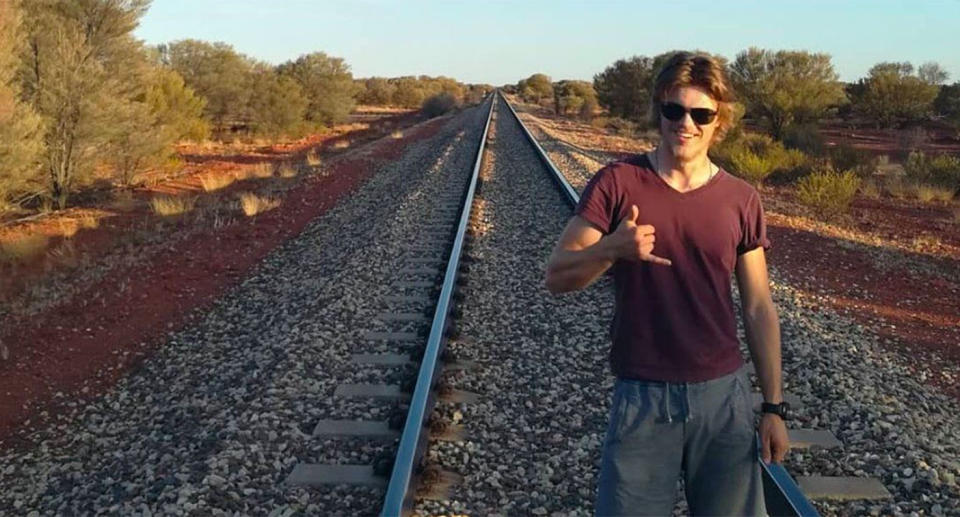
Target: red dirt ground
[
  {"x": 78, "y": 350},
  {"x": 917, "y": 313}
]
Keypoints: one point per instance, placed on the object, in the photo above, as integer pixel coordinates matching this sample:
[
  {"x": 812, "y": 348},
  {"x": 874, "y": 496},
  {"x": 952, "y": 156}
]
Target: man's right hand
[{"x": 632, "y": 241}]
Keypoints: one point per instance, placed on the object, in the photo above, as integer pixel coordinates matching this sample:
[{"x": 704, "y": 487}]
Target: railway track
[
  {"x": 408, "y": 467},
  {"x": 402, "y": 354}
]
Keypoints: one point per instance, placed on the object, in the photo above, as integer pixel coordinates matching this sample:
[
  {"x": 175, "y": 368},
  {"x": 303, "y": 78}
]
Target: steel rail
[
  {"x": 402, "y": 488},
  {"x": 781, "y": 493}
]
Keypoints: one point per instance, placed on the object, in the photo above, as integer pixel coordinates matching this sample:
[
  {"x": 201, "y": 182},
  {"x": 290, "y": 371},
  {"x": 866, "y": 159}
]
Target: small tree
[
  {"x": 377, "y": 91},
  {"x": 81, "y": 68},
  {"x": 216, "y": 72},
  {"x": 438, "y": 105},
  {"x": 786, "y": 87},
  {"x": 142, "y": 132},
  {"x": 327, "y": 84},
  {"x": 536, "y": 88},
  {"x": 893, "y": 96},
  {"x": 176, "y": 105},
  {"x": 623, "y": 88},
  {"x": 409, "y": 92},
  {"x": 932, "y": 73},
  {"x": 277, "y": 104},
  {"x": 20, "y": 127},
  {"x": 947, "y": 104},
  {"x": 570, "y": 97}
]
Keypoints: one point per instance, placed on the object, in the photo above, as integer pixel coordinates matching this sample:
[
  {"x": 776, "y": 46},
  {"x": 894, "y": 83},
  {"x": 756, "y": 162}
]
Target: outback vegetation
[
  {"x": 85, "y": 105},
  {"x": 792, "y": 116}
]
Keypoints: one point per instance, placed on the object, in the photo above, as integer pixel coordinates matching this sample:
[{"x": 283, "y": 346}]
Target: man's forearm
[
  {"x": 571, "y": 270},
  {"x": 763, "y": 340}
]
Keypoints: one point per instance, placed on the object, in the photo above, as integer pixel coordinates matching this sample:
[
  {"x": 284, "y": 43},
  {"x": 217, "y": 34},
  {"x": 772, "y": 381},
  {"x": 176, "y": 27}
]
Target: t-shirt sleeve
[
  {"x": 598, "y": 201},
  {"x": 754, "y": 226}
]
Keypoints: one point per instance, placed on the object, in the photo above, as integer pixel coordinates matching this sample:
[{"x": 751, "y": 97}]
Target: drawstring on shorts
[{"x": 686, "y": 402}]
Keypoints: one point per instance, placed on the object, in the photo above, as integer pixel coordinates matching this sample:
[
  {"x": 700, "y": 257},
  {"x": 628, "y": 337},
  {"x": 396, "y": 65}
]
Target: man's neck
[{"x": 695, "y": 171}]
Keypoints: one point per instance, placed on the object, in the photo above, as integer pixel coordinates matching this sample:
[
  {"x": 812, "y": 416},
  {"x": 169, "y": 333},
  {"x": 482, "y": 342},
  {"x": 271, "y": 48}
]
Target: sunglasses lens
[
  {"x": 702, "y": 115},
  {"x": 672, "y": 111}
]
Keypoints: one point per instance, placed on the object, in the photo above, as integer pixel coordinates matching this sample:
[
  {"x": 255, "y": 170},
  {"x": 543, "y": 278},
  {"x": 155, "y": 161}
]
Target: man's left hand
[{"x": 773, "y": 438}]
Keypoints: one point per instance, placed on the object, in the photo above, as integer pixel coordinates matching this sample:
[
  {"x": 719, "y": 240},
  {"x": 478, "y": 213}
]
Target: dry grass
[
  {"x": 923, "y": 242},
  {"x": 288, "y": 171},
  {"x": 956, "y": 214},
  {"x": 262, "y": 170},
  {"x": 23, "y": 249},
  {"x": 70, "y": 227},
  {"x": 396, "y": 135},
  {"x": 313, "y": 158},
  {"x": 342, "y": 144},
  {"x": 927, "y": 193},
  {"x": 252, "y": 204},
  {"x": 212, "y": 181},
  {"x": 870, "y": 189},
  {"x": 172, "y": 205}
]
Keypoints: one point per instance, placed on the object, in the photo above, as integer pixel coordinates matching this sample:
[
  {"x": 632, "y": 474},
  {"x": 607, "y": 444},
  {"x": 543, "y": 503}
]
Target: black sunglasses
[{"x": 674, "y": 112}]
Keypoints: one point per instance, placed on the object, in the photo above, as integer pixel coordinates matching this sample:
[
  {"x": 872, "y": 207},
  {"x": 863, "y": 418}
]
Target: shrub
[
  {"x": 926, "y": 192},
  {"x": 896, "y": 187},
  {"x": 754, "y": 156},
  {"x": 845, "y": 157},
  {"x": 438, "y": 105},
  {"x": 805, "y": 138},
  {"x": 942, "y": 170},
  {"x": 617, "y": 125},
  {"x": 828, "y": 192}
]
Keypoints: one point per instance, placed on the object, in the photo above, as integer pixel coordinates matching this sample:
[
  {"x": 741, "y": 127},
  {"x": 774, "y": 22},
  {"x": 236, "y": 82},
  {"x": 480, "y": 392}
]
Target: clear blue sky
[{"x": 500, "y": 42}]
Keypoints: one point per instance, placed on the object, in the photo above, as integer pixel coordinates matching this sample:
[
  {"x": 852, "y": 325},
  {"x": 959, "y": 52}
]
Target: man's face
[{"x": 685, "y": 139}]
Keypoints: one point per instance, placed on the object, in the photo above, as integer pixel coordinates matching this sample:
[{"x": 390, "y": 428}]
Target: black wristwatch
[{"x": 782, "y": 409}]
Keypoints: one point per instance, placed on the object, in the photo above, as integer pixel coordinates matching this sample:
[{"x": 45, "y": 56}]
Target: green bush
[
  {"x": 827, "y": 191},
  {"x": 845, "y": 157},
  {"x": 941, "y": 170},
  {"x": 438, "y": 105},
  {"x": 619, "y": 126},
  {"x": 754, "y": 156},
  {"x": 805, "y": 138}
]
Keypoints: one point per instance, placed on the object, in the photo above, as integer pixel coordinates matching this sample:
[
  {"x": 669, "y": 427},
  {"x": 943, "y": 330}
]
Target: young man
[{"x": 673, "y": 227}]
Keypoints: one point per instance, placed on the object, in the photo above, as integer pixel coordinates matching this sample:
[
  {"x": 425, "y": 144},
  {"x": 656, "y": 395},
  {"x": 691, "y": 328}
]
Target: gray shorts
[{"x": 704, "y": 430}]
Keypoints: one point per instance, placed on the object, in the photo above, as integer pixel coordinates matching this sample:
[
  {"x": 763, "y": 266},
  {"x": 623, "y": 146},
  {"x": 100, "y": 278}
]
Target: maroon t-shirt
[{"x": 676, "y": 323}]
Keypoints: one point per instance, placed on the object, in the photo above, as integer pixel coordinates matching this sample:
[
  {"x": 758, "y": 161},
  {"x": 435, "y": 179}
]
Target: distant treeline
[
  {"x": 80, "y": 97},
  {"x": 778, "y": 88}
]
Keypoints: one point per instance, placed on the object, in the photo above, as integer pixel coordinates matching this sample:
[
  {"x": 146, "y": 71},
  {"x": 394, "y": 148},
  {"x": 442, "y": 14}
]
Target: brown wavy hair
[{"x": 700, "y": 70}]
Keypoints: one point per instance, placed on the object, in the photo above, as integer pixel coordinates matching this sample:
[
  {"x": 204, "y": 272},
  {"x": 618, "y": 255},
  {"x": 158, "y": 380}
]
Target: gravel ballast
[{"x": 216, "y": 420}]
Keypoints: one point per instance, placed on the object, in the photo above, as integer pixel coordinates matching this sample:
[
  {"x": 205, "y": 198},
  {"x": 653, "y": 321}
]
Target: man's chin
[{"x": 682, "y": 152}]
